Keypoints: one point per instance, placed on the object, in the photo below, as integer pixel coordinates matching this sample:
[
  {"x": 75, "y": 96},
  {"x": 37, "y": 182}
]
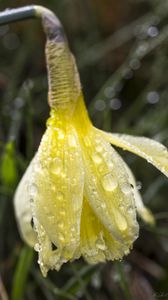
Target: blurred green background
[{"x": 121, "y": 49}]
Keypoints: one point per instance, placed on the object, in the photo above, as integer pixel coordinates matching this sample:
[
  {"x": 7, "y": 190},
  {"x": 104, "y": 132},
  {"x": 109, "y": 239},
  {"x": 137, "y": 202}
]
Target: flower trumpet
[{"x": 78, "y": 197}]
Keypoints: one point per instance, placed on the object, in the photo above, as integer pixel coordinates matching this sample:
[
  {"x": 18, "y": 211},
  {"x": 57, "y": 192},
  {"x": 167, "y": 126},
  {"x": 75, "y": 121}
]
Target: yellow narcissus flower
[{"x": 78, "y": 197}]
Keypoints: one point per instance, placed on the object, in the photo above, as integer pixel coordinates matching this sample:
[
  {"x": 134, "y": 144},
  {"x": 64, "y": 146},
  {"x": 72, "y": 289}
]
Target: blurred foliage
[{"x": 122, "y": 53}]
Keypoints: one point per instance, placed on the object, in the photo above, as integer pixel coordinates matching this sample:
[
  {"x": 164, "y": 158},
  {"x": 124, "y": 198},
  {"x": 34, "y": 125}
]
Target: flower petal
[
  {"x": 57, "y": 186},
  {"x": 152, "y": 151},
  {"x": 142, "y": 210},
  {"x": 23, "y": 209},
  {"x": 97, "y": 245},
  {"x": 108, "y": 190},
  {"x": 91, "y": 229}
]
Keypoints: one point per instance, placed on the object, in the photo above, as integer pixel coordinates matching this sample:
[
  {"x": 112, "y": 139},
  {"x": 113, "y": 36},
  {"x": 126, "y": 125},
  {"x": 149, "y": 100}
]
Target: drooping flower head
[{"x": 78, "y": 197}]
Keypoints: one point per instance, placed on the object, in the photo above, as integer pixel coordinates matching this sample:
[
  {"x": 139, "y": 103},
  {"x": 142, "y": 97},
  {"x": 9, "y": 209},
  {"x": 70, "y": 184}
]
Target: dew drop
[
  {"x": 61, "y": 238},
  {"x": 37, "y": 247},
  {"x": 100, "y": 105},
  {"x": 109, "y": 182},
  {"x": 152, "y": 31},
  {"x": 115, "y": 104},
  {"x": 96, "y": 158},
  {"x": 139, "y": 185},
  {"x": 72, "y": 141},
  {"x": 153, "y": 97},
  {"x": 110, "y": 165},
  {"x": 130, "y": 209},
  {"x": 101, "y": 245},
  {"x": 120, "y": 221},
  {"x": 63, "y": 175},
  {"x": 109, "y": 92},
  {"x": 103, "y": 205},
  {"x": 61, "y": 134},
  {"x": 33, "y": 190},
  {"x": 141, "y": 50},
  {"x": 56, "y": 166},
  {"x": 125, "y": 187},
  {"x": 99, "y": 148},
  {"x": 127, "y": 251}
]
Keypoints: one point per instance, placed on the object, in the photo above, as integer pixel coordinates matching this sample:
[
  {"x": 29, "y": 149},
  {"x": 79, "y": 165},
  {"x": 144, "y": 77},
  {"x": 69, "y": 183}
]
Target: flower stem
[
  {"x": 51, "y": 23},
  {"x": 17, "y": 14},
  {"x": 123, "y": 281},
  {"x": 23, "y": 13}
]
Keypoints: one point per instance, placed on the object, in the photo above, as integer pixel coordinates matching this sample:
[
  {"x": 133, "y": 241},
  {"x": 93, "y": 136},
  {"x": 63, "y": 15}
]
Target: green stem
[
  {"x": 23, "y": 13},
  {"x": 51, "y": 23},
  {"x": 17, "y": 14},
  {"x": 123, "y": 281}
]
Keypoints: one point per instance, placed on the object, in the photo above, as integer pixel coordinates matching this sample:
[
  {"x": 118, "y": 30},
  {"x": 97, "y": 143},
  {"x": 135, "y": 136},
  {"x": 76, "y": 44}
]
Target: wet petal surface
[
  {"x": 57, "y": 186},
  {"x": 97, "y": 244},
  {"x": 142, "y": 210},
  {"x": 23, "y": 210},
  {"x": 152, "y": 151},
  {"x": 108, "y": 190}
]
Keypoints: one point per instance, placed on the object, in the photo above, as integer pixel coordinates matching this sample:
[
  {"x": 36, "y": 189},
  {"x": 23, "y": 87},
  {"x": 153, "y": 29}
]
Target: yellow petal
[
  {"x": 152, "y": 151},
  {"x": 108, "y": 190},
  {"x": 97, "y": 245},
  {"x": 91, "y": 230},
  {"x": 23, "y": 209},
  {"x": 57, "y": 193},
  {"x": 142, "y": 210}
]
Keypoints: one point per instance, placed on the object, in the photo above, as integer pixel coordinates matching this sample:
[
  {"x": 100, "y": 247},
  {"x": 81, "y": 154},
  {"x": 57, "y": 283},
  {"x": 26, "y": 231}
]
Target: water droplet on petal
[
  {"x": 33, "y": 190},
  {"x": 56, "y": 166},
  {"x": 99, "y": 148},
  {"x": 120, "y": 221},
  {"x": 126, "y": 189},
  {"x": 130, "y": 209},
  {"x": 101, "y": 245},
  {"x": 110, "y": 165},
  {"x": 61, "y": 237},
  {"x": 37, "y": 247},
  {"x": 61, "y": 134},
  {"x": 139, "y": 185},
  {"x": 109, "y": 182},
  {"x": 96, "y": 158},
  {"x": 72, "y": 141},
  {"x": 103, "y": 205}
]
